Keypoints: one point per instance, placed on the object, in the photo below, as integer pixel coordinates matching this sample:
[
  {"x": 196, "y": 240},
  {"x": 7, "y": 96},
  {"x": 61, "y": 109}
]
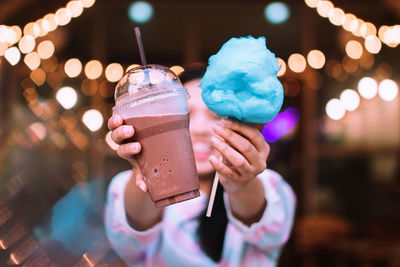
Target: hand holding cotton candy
[{"x": 241, "y": 81}]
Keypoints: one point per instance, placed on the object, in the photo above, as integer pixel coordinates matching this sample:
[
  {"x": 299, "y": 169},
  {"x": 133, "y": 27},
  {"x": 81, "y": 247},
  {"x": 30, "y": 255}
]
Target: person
[{"x": 253, "y": 210}]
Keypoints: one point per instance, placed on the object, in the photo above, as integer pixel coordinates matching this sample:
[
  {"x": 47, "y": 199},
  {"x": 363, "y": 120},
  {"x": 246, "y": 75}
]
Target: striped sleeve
[
  {"x": 134, "y": 247},
  {"x": 274, "y": 228}
]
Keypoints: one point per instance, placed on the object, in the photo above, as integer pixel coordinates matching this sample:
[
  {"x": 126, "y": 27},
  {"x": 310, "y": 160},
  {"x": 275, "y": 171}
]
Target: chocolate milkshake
[{"x": 157, "y": 109}]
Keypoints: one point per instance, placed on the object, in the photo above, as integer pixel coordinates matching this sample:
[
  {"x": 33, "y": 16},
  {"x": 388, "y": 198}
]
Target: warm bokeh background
[{"x": 339, "y": 151}]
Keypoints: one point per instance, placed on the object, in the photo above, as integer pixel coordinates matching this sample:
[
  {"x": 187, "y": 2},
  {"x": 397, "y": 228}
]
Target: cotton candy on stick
[{"x": 241, "y": 83}]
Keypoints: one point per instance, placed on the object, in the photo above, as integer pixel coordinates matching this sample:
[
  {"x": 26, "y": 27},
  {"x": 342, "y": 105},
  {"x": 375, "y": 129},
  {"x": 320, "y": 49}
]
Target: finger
[
  {"x": 237, "y": 160},
  {"x": 222, "y": 168},
  {"x": 139, "y": 177},
  {"x": 251, "y": 133},
  {"x": 114, "y": 122},
  {"x": 240, "y": 143},
  {"x": 122, "y": 133},
  {"x": 128, "y": 151}
]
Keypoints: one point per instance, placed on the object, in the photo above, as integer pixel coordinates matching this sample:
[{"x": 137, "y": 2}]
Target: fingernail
[
  {"x": 215, "y": 140},
  {"x": 116, "y": 120},
  {"x": 213, "y": 159},
  {"x": 218, "y": 127},
  {"x": 128, "y": 130},
  {"x": 226, "y": 122},
  {"x": 134, "y": 147}
]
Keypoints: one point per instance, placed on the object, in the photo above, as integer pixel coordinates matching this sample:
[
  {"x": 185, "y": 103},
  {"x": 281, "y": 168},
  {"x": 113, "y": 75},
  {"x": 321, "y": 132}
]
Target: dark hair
[{"x": 211, "y": 230}]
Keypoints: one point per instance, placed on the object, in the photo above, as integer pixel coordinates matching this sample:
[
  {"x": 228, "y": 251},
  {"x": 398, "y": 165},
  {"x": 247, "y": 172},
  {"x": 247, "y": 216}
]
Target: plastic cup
[{"x": 152, "y": 99}]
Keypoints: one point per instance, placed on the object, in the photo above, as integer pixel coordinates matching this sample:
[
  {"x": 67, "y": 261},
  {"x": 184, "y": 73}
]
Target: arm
[{"x": 260, "y": 204}]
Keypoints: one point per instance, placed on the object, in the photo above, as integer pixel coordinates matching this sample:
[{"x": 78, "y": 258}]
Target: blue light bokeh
[
  {"x": 140, "y": 11},
  {"x": 276, "y": 12}
]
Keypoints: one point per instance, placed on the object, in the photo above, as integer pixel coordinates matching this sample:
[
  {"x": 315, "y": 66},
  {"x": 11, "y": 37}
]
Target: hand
[
  {"x": 127, "y": 150},
  {"x": 244, "y": 150}
]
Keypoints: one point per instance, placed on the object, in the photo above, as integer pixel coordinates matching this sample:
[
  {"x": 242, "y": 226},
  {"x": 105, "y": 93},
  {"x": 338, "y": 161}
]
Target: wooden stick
[{"x": 212, "y": 195}]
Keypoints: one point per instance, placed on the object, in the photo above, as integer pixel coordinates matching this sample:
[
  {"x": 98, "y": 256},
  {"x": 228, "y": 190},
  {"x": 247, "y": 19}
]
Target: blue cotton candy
[{"x": 241, "y": 81}]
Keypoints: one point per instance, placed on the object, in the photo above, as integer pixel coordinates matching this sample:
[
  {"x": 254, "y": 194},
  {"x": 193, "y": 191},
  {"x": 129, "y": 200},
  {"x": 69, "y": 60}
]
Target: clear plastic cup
[{"x": 153, "y": 100}]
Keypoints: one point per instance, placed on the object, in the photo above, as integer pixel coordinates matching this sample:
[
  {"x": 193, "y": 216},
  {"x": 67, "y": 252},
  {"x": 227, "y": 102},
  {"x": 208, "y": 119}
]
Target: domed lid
[{"x": 147, "y": 80}]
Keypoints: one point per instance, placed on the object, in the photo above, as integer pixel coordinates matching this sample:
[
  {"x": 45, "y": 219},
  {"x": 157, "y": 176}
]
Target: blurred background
[{"x": 336, "y": 140}]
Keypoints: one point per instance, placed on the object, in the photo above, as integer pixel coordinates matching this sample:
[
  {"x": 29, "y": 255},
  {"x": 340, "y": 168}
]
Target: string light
[
  {"x": 350, "y": 99},
  {"x": 335, "y": 109},
  {"x": 297, "y": 63},
  {"x": 67, "y": 97},
  {"x": 373, "y": 44},
  {"x": 73, "y": 67},
  {"x": 93, "y": 69},
  {"x": 93, "y": 120},
  {"x": 282, "y": 66},
  {"x": 354, "y": 49},
  {"x": 75, "y": 8},
  {"x": 32, "y": 60},
  {"x": 388, "y": 90},
  {"x": 26, "y": 44},
  {"x": 390, "y": 35},
  {"x": 114, "y": 72},
  {"x": 316, "y": 59},
  {"x": 367, "y": 87},
  {"x": 12, "y": 55},
  {"x": 45, "y": 49},
  {"x": 177, "y": 69}
]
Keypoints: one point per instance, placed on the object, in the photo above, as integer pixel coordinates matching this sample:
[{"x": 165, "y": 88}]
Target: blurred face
[{"x": 201, "y": 122}]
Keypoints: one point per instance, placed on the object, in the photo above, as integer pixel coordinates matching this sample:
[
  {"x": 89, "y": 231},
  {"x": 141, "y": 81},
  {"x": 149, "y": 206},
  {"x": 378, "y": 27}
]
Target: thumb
[{"x": 139, "y": 176}]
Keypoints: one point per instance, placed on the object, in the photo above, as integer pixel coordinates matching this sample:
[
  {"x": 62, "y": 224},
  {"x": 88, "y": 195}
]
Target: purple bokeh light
[{"x": 281, "y": 124}]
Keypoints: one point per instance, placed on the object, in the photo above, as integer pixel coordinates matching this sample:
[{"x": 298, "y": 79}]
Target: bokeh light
[
  {"x": 32, "y": 60},
  {"x": 73, "y": 67},
  {"x": 282, "y": 67},
  {"x": 336, "y": 16},
  {"x": 367, "y": 87},
  {"x": 63, "y": 16},
  {"x": 373, "y": 44},
  {"x": 177, "y": 69},
  {"x": 45, "y": 49},
  {"x": 354, "y": 49},
  {"x": 140, "y": 11},
  {"x": 32, "y": 29},
  {"x": 114, "y": 72},
  {"x": 51, "y": 19},
  {"x": 75, "y": 8},
  {"x": 367, "y": 29},
  {"x": 350, "y": 22},
  {"x": 276, "y": 12},
  {"x": 316, "y": 59},
  {"x": 67, "y": 97},
  {"x": 93, "y": 69},
  {"x": 388, "y": 90},
  {"x": 88, "y": 3},
  {"x": 26, "y": 44},
  {"x": 312, "y": 3},
  {"x": 38, "y": 76},
  {"x": 297, "y": 63},
  {"x": 93, "y": 119},
  {"x": 350, "y": 99},
  {"x": 324, "y": 8},
  {"x": 335, "y": 109},
  {"x": 38, "y": 129},
  {"x": 12, "y": 55}
]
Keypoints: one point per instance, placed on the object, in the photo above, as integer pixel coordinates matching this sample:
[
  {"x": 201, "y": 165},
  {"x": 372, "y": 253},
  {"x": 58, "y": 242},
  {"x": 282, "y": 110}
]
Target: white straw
[{"x": 212, "y": 194}]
